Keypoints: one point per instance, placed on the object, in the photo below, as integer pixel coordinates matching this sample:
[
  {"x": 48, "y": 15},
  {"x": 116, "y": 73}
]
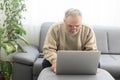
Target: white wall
[
  {"x": 100, "y": 12},
  {"x": 94, "y": 12}
]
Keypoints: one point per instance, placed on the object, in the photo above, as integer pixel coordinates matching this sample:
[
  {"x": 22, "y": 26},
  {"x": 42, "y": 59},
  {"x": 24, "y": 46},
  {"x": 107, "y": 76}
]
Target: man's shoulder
[
  {"x": 87, "y": 27},
  {"x": 57, "y": 25}
]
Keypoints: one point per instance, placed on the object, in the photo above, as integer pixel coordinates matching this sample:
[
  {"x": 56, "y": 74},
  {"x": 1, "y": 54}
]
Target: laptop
[{"x": 77, "y": 62}]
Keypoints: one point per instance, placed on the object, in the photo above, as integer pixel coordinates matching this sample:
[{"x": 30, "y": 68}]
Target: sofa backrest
[
  {"x": 43, "y": 31},
  {"x": 101, "y": 39},
  {"x": 114, "y": 40},
  {"x": 108, "y": 40}
]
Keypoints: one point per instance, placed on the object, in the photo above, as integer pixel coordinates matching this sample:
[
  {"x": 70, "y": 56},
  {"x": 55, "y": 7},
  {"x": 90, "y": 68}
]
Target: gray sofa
[{"x": 27, "y": 66}]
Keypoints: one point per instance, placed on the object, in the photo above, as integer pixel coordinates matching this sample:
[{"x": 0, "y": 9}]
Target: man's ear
[{"x": 64, "y": 20}]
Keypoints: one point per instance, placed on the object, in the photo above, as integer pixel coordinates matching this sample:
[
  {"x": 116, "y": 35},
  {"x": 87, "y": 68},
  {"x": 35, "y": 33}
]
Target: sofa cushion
[
  {"x": 111, "y": 63},
  {"x": 114, "y": 41},
  {"x": 43, "y": 31}
]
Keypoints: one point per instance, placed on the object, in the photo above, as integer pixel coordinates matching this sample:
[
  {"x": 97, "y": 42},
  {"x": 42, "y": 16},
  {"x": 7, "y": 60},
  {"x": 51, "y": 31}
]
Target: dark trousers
[
  {"x": 99, "y": 65},
  {"x": 46, "y": 63}
]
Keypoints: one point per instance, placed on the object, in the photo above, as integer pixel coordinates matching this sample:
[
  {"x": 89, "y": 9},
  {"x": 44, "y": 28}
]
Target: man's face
[{"x": 73, "y": 23}]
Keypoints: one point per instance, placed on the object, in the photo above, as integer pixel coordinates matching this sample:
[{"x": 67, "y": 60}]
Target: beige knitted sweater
[{"x": 58, "y": 38}]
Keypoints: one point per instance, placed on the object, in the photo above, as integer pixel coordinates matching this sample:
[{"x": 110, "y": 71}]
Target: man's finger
[{"x": 55, "y": 70}]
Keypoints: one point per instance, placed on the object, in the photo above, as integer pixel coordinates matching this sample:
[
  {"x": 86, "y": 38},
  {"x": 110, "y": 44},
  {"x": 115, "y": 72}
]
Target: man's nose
[{"x": 73, "y": 27}]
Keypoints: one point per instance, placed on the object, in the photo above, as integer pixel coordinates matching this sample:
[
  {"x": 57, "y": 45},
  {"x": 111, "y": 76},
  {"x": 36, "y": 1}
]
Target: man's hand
[{"x": 53, "y": 67}]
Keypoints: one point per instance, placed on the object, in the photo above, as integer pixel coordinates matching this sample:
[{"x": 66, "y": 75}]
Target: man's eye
[
  {"x": 73, "y": 25},
  {"x": 70, "y": 26},
  {"x": 77, "y": 25}
]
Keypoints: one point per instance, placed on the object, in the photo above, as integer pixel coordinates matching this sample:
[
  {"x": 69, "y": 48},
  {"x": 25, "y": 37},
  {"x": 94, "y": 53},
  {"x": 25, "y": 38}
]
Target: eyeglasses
[{"x": 71, "y": 26}]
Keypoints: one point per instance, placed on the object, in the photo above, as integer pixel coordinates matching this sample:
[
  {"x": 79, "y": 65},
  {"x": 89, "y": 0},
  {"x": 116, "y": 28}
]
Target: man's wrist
[{"x": 54, "y": 61}]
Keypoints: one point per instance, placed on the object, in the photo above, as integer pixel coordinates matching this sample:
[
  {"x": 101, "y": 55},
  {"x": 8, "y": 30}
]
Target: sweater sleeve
[
  {"x": 50, "y": 45},
  {"x": 90, "y": 43}
]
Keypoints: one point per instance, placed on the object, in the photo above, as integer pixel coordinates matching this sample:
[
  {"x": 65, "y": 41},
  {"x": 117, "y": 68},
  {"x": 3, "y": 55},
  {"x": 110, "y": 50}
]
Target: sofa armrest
[
  {"x": 27, "y": 58},
  {"x": 37, "y": 68}
]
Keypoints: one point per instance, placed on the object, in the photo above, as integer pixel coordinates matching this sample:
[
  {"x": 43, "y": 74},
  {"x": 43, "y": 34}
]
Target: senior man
[{"x": 70, "y": 34}]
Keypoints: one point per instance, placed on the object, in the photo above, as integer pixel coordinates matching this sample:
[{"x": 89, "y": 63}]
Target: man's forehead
[
  {"x": 73, "y": 17},
  {"x": 73, "y": 21},
  {"x": 75, "y": 24}
]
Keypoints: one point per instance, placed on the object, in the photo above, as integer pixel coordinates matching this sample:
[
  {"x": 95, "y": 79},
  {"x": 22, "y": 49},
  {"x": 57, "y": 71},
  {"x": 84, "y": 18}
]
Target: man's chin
[{"x": 73, "y": 33}]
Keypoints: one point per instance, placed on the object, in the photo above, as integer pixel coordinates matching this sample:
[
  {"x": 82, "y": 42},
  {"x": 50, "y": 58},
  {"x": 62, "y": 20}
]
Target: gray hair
[{"x": 72, "y": 12}]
